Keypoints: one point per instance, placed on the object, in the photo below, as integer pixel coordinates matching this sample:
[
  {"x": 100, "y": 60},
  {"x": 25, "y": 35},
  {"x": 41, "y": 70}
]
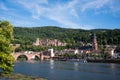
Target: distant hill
[{"x": 72, "y": 36}]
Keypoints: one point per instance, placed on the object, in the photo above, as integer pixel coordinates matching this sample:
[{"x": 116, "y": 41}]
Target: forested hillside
[{"x": 26, "y": 36}]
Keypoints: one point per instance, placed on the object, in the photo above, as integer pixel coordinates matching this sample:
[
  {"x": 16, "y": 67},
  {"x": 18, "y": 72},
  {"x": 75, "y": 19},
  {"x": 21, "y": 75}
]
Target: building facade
[{"x": 48, "y": 42}]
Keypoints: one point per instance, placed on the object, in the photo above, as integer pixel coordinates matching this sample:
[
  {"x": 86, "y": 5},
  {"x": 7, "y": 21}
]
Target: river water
[{"x": 60, "y": 70}]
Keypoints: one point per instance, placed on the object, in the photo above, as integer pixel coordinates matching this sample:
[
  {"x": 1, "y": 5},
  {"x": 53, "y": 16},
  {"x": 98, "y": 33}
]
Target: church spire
[{"x": 94, "y": 43}]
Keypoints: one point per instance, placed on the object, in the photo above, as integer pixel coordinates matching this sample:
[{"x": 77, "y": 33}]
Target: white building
[{"x": 51, "y": 52}]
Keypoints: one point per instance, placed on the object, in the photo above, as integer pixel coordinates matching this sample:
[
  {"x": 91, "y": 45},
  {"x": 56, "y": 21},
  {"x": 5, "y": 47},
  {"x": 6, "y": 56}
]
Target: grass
[{"x": 17, "y": 76}]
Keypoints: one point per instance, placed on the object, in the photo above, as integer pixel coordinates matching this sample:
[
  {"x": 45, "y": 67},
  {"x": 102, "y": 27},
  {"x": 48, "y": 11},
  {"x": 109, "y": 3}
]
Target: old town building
[{"x": 48, "y": 42}]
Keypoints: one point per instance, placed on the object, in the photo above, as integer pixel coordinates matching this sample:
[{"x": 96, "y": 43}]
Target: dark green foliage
[
  {"x": 26, "y": 36},
  {"x": 106, "y": 36}
]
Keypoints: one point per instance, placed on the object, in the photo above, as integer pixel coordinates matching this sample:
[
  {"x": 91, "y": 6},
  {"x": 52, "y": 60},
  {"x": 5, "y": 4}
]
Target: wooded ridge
[{"x": 24, "y": 35}]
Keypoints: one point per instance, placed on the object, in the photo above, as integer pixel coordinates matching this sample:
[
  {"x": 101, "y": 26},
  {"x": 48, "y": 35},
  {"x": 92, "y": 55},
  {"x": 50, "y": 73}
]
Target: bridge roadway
[{"x": 30, "y": 56}]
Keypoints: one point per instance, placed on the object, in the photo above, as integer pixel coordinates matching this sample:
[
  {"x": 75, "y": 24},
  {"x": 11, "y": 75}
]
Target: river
[{"x": 60, "y": 70}]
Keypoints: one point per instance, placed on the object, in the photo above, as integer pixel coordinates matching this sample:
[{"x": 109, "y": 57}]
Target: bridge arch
[
  {"x": 22, "y": 57},
  {"x": 28, "y": 56},
  {"x": 36, "y": 57}
]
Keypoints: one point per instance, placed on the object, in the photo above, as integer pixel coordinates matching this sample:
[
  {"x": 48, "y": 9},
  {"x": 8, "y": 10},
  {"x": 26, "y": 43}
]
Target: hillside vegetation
[{"x": 29, "y": 35}]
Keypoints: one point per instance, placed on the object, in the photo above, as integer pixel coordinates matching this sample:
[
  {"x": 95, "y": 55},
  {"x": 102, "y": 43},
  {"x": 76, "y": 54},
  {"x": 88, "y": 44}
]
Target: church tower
[{"x": 94, "y": 43}]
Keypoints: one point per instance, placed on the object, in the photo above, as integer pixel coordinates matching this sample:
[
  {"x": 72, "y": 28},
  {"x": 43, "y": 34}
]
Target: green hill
[{"x": 28, "y": 35}]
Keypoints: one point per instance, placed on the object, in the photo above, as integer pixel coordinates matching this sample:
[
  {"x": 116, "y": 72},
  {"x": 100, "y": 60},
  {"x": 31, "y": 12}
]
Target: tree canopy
[
  {"x": 74, "y": 37},
  {"x": 6, "y": 59}
]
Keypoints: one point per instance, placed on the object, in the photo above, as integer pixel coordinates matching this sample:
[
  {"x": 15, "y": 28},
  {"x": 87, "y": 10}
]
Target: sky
[{"x": 76, "y": 14}]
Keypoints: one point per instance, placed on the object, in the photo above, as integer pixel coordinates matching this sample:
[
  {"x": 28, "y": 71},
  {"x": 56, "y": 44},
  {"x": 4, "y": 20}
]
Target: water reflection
[
  {"x": 112, "y": 66},
  {"x": 57, "y": 70},
  {"x": 113, "y": 69},
  {"x": 76, "y": 66},
  {"x": 51, "y": 64}
]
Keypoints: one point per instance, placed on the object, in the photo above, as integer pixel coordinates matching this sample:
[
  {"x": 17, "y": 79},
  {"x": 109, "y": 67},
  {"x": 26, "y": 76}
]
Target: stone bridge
[{"x": 30, "y": 56}]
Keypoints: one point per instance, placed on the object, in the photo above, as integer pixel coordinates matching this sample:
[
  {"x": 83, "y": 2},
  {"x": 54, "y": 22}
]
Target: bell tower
[{"x": 94, "y": 43}]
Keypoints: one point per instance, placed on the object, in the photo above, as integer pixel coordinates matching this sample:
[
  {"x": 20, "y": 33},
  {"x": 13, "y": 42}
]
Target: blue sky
[{"x": 77, "y": 14}]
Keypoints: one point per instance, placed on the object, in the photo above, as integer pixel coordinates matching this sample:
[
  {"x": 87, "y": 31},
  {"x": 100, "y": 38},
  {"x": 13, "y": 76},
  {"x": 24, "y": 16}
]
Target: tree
[{"x": 6, "y": 59}]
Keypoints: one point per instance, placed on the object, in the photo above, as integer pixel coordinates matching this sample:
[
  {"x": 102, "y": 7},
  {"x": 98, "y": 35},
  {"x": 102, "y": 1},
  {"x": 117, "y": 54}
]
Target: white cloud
[
  {"x": 94, "y": 4},
  {"x": 34, "y": 6},
  {"x": 61, "y": 13},
  {"x": 114, "y": 5},
  {"x": 3, "y": 7},
  {"x": 63, "y": 21},
  {"x": 72, "y": 7},
  {"x": 57, "y": 12},
  {"x": 65, "y": 12},
  {"x": 101, "y": 6}
]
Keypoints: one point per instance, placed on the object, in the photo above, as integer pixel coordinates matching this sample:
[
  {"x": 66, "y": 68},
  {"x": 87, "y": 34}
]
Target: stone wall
[{"x": 48, "y": 42}]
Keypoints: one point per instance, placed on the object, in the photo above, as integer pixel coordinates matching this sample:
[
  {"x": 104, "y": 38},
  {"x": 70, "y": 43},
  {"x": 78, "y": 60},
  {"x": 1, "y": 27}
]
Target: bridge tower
[{"x": 51, "y": 52}]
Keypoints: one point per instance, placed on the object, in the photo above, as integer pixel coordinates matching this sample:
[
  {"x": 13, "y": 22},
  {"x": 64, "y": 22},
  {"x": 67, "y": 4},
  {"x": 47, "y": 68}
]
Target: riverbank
[
  {"x": 17, "y": 76},
  {"x": 103, "y": 61}
]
